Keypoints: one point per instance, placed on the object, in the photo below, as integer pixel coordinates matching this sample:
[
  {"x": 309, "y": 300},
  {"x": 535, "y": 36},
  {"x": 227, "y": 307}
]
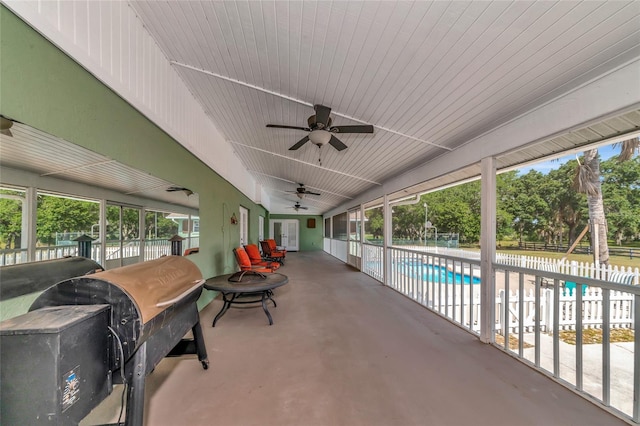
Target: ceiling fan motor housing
[
  {"x": 321, "y": 132},
  {"x": 313, "y": 124}
]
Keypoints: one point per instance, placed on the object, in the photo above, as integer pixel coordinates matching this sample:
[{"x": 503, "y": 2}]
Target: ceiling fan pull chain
[{"x": 319, "y": 156}]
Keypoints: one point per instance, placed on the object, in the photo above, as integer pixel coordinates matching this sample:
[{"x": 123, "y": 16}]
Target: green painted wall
[
  {"x": 44, "y": 88},
  {"x": 310, "y": 238}
]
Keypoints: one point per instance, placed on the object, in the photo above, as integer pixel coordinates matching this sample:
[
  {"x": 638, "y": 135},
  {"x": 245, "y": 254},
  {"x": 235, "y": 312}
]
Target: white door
[
  {"x": 285, "y": 232},
  {"x": 244, "y": 226},
  {"x": 353, "y": 253}
]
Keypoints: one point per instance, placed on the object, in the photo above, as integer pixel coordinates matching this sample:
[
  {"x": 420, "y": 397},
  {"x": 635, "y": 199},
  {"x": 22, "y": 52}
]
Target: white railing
[
  {"x": 603, "y": 370},
  {"x": 444, "y": 284},
  {"x": 530, "y": 326},
  {"x": 372, "y": 261},
  {"x": 153, "y": 249},
  {"x": 13, "y": 256}
]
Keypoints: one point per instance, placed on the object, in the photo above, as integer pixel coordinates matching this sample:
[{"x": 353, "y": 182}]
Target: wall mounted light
[{"x": 234, "y": 219}]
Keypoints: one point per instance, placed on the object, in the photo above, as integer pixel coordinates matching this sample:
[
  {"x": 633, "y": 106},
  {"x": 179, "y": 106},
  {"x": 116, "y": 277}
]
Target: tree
[
  {"x": 374, "y": 223},
  {"x": 523, "y": 201},
  {"x": 58, "y": 215},
  {"x": 588, "y": 182},
  {"x": 504, "y": 217},
  {"x": 130, "y": 227},
  {"x": 568, "y": 205},
  {"x": 408, "y": 222},
  {"x": 621, "y": 191},
  {"x": 158, "y": 226},
  {"x": 10, "y": 220},
  {"x": 451, "y": 211}
]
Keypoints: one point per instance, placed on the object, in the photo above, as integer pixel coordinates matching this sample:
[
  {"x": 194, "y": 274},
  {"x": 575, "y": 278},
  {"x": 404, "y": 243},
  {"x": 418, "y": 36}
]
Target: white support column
[
  {"x": 487, "y": 248},
  {"x": 103, "y": 233},
  {"x": 31, "y": 204},
  {"x": 387, "y": 231},
  {"x": 362, "y": 239},
  {"x": 142, "y": 236},
  {"x": 362, "y": 227}
]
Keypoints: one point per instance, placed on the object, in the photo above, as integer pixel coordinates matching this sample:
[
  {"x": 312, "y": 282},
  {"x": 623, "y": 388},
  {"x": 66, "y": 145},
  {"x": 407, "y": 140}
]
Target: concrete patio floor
[{"x": 346, "y": 350}]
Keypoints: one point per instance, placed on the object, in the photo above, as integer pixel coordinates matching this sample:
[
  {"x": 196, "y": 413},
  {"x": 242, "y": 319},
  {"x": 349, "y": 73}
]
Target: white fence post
[{"x": 547, "y": 300}]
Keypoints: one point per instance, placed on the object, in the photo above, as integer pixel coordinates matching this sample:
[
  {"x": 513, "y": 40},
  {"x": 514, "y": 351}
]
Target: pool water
[{"x": 434, "y": 273}]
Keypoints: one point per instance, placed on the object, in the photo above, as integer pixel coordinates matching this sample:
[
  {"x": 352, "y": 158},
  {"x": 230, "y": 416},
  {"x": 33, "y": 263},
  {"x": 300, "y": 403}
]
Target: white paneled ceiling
[
  {"x": 430, "y": 76},
  {"x": 25, "y": 148}
]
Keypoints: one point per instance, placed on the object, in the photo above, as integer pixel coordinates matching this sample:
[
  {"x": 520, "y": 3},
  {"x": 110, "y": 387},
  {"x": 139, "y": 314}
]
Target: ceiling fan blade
[
  {"x": 322, "y": 114},
  {"x": 304, "y": 208},
  {"x": 280, "y": 126},
  {"x": 299, "y": 143},
  {"x": 336, "y": 143},
  {"x": 311, "y": 193},
  {"x": 365, "y": 128},
  {"x": 179, "y": 188},
  {"x": 5, "y": 125}
]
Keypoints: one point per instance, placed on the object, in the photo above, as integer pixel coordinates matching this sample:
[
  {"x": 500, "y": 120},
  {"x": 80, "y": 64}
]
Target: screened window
[
  {"x": 340, "y": 227},
  {"x": 374, "y": 225},
  {"x": 62, "y": 219},
  {"x": 13, "y": 221},
  {"x": 327, "y": 227},
  {"x": 158, "y": 229}
]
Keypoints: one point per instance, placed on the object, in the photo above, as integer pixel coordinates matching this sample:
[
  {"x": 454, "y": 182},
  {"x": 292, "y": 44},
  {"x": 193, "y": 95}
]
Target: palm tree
[{"x": 587, "y": 181}]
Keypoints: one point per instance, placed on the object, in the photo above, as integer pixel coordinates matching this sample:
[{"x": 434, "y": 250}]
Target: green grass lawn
[{"x": 594, "y": 336}]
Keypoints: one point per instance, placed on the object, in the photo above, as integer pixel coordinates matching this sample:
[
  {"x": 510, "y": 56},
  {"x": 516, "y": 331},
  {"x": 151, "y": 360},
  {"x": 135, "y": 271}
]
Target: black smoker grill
[
  {"x": 149, "y": 307},
  {"x": 24, "y": 278}
]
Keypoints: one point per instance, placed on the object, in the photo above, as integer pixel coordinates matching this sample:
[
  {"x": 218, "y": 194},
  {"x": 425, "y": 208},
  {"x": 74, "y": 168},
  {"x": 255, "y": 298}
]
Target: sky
[{"x": 545, "y": 167}]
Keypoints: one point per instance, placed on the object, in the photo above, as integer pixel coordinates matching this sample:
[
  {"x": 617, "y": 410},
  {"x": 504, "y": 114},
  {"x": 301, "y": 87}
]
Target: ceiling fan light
[{"x": 320, "y": 137}]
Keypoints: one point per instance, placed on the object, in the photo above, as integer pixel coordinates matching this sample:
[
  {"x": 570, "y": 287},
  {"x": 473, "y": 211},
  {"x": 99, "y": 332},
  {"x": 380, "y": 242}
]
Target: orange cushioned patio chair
[
  {"x": 275, "y": 256},
  {"x": 256, "y": 258},
  {"x": 275, "y": 248},
  {"x": 245, "y": 263}
]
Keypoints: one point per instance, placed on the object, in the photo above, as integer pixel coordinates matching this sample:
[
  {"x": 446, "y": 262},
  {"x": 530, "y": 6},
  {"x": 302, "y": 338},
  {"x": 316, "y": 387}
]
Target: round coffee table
[{"x": 257, "y": 287}]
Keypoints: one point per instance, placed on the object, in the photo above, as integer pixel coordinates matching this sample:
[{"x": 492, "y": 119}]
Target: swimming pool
[{"x": 434, "y": 273}]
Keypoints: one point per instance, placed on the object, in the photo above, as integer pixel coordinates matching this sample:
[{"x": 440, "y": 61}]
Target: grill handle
[{"x": 197, "y": 284}]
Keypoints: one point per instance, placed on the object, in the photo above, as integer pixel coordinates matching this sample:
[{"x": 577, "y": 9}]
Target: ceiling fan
[
  {"x": 301, "y": 191},
  {"x": 297, "y": 207},
  {"x": 321, "y": 131},
  {"x": 6, "y": 124},
  {"x": 179, "y": 188}
]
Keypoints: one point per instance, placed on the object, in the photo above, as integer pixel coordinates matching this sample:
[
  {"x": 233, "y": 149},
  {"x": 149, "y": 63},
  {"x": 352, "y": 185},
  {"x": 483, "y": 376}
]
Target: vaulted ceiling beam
[{"x": 305, "y": 163}]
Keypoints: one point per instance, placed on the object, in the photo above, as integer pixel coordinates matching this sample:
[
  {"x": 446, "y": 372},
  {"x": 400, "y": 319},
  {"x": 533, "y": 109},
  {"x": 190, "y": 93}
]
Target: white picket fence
[
  {"x": 580, "y": 269},
  {"x": 621, "y": 310},
  {"x": 467, "y": 310}
]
